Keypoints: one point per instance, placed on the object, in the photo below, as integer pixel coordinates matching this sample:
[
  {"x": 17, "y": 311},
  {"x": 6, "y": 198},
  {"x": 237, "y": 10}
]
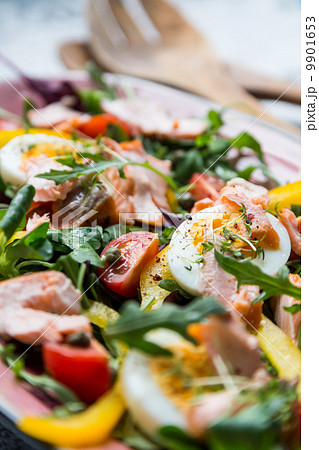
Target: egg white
[
  {"x": 150, "y": 408},
  {"x": 11, "y": 155},
  {"x": 182, "y": 253}
]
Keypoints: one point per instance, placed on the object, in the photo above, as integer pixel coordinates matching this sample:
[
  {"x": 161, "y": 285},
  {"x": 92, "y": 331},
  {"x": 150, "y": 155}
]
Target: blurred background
[{"x": 262, "y": 36}]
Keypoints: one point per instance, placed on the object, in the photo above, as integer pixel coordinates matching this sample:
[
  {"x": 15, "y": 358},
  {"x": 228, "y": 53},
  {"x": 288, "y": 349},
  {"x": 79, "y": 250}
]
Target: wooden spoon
[{"x": 75, "y": 55}]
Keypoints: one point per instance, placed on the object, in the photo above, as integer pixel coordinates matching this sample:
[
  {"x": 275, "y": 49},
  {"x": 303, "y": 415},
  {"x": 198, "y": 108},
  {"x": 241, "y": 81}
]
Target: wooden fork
[{"x": 150, "y": 39}]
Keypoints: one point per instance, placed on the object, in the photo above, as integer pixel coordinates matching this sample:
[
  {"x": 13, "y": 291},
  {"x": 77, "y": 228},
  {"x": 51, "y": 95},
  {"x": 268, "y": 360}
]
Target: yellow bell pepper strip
[
  {"x": 85, "y": 429},
  {"x": 279, "y": 348},
  {"x": 6, "y": 136},
  {"x": 172, "y": 200},
  {"x": 156, "y": 270},
  {"x": 17, "y": 235},
  {"x": 285, "y": 196},
  {"x": 100, "y": 314}
]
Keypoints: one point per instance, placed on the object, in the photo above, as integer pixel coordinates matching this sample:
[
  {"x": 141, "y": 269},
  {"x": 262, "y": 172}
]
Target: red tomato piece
[
  {"x": 206, "y": 185},
  {"x": 137, "y": 249},
  {"x": 98, "y": 124},
  {"x": 85, "y": 370}
]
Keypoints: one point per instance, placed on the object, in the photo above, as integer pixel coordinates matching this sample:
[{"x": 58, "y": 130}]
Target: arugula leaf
[
  {"x": 248, "y": 273},
  {"x": 74, "y": 238},
  {"x": 97, "y": 76},
  {"x": 91, "y": 100},
  {"x": 133, "y": 324},
  {"x": 27, "y": 106},
  {"x": 128, "y": 433},
  {"x": 215, "y": 122},
  {"x": 172, "y": 286},
  {"x": 245, "y": 140},
  {"x": 296, "y": 209},
  {"x": 262, "y": 420},
  {"x": 85, "y": 253},
  {"x": 60, "y": 176},
  {"x": 224, "y": 170},
  {"x": 293, "y": 309},
  {"x": 166, "y": 235},
  {"x": 215, "y": 119},
  {"x": 173, "y": 438},
  {"x": 191, "y": 163},
  {"x": 115, "y": 131},
  {"x": 33, "y": 246}
]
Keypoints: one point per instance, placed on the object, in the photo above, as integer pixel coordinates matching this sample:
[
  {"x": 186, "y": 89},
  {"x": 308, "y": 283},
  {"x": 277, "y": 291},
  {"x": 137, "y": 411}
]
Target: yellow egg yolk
[
  {"x": 174, "y": 374},
  {"x": 49, "y": 149}
]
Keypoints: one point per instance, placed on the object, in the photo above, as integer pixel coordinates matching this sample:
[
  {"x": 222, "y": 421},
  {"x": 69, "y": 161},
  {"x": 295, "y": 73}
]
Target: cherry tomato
[
  {"x": 137, "y": 249},
  {"x": 98, "y": 125},
  {"x": 85, "y": 370},
  {"x": 206, "y": 185}
]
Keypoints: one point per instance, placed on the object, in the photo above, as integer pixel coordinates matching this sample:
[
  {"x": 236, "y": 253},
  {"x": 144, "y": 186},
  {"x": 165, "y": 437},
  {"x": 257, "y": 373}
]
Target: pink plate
[{"x": 282, "y": 150}]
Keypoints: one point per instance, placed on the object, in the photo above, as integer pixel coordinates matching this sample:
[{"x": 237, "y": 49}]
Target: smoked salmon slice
[{"x": 41, "y": 305}]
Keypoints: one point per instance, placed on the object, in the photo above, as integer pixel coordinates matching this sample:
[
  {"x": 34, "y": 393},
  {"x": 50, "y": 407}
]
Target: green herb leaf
[
  {"x": 115, "y": 131},
  {"x": 166, "y": 235},
  {"x": 173, "y": 438},
  {"x": 245, "y": 140},
  {"x": 293, "y": 309},
  {"x": 15, "y": 213},
  {"x": 85, "y": 253},
  {"x": 33, "y": 245},
  {"x": 296, "y": 209},
  {"x": 172, "y": 286},
  {"x": 91, "y": 99},
  {"x": 27, "y": 106},
  {"x": 262, "y": 421},
  {"x": 191, "y": 163},
  {"x": 133, "y": 324},
  {"x": 60, "y": 176},
  {"x": 248, "y": 273},
  {"x": 74, "y": 238},
  {"x": 215, "y": 119},
  {"x": 97, "y": 76}
]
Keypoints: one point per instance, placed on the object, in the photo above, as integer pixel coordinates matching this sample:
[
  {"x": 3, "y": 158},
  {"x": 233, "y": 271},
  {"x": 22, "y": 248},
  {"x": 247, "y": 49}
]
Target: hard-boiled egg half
[
  {"x": 154, "y": 388},
  {"x": 15, "y": 153},
  {"x": 185, "y": 252}
]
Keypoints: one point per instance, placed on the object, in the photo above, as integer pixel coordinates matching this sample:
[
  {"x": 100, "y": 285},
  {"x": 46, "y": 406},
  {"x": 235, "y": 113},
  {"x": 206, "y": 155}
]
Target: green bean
[{"x": 19, "y": 206}]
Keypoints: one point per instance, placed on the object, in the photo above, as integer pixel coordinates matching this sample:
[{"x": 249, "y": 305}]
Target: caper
[
  {"x": 111, "y": 256},
  {"x": 78, "y": 339},
  {"x": 187, "y": 201}
]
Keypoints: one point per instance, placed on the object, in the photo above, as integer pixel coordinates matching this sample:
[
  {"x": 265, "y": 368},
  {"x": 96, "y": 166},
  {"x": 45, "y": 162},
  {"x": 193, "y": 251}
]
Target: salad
[{"x": 149, "y": 276}]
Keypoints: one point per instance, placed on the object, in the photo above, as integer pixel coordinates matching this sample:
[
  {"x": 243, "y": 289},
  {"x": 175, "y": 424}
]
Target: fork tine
[
  {"x": 142, "y": 20},
  {"x": 108, "y": 21}
]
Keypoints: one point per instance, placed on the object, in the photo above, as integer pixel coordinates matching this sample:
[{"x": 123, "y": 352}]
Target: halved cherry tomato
[
  {"x": 85, "y": 370},
  {"x": 137, "y": 249},
  {"x": 205, "y": 185},
  {"x": 98, "y": 124}
]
